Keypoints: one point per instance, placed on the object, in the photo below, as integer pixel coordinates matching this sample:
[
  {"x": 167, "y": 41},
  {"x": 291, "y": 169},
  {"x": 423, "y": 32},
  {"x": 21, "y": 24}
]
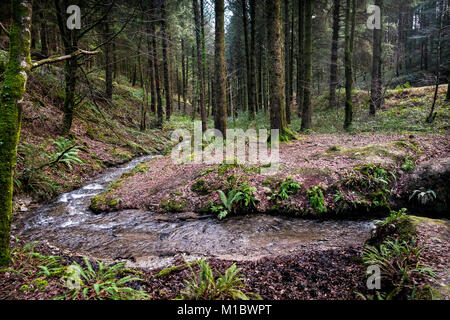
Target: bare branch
[
  {"x": 62, "y": 58},
  {"x": 4, "y": 29}
]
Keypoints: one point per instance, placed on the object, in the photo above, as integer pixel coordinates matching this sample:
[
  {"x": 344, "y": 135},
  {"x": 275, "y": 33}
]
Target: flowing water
[{"x": 151, "y": 240}]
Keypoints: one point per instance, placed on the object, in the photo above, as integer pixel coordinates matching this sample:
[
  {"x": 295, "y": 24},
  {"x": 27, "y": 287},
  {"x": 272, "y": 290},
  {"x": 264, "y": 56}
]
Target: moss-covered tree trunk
[
  {"x": 350, "y": 16},
  {"x": 334, "y": 53},
  {"x": 276, "y": 70},
  {"x": 11, "y": 96},
  {"x": 307, "y": 108},
  {"x": 220, "y": 111}
]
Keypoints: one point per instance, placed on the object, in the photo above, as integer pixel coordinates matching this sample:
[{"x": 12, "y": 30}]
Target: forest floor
[
  {"x": 331, "y": 274},
  {"x": 364, "y": 172}
]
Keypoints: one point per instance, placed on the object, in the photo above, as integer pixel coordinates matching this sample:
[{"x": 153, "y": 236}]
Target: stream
[{"x": 149, "y": 240}]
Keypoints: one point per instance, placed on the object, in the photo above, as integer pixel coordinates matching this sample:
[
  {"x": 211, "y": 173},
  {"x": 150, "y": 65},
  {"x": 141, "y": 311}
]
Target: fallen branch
[
  {"x": 62, "y": 58},
  {"x": 4, "y": 29}
]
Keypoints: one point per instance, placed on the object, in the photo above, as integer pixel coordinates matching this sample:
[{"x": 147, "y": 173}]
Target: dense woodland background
[{"x": 160, "y": 45}]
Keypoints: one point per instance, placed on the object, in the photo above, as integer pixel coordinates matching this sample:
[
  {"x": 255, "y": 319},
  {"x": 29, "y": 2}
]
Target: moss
[
  {"x": 121, "y": 154},
  {"x": 168, "y": 271},
  {"x": 173, "y": 205},
  {"x": 98, "y": 203},
  {"x": 403, "y": 228},
  {"x": 114, "y": 202},
  {"x": 3, "y": 60},
  {"x": 200, "y": 187},
  {"x": 333, "y": 149},
  {"x": 11, "y": 95}
]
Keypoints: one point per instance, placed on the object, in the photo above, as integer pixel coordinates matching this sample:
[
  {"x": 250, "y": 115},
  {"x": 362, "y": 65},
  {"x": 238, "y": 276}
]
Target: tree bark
[
  {"x": 11, "y": 99},
  {"x": 183, "y": 71},
  {"x": 151, "y": 69},
  {"x": 166, "y": 60},
  {"x": 43, "y": 32},
  {"x": 300, "y": 57},
  {"x": 253, "y": 105},
  {"x": 108, "y": 61},
  {"x": 220, "y": 97},
  {"x": 159, "y": 105},
  {"x": 334, "y": 53},
  {"x": 287, "y": 61},
  {"x": 199, "y": 64},
  {"x": 276, "y": 72},
  {"x": 307, "y": 109},
  {"x": 376, "y": 98},
  {"x": 350, "y": 15}
]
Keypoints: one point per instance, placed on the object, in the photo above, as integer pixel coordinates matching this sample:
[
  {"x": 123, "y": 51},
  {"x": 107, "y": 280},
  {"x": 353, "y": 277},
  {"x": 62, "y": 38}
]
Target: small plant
[
  {"x": 424, "y": 197},
  {"x": 246, "y": 199},
  {"x": 286, "y": 188},
  {"x": 205, "y": 286},
  {"x": 67, "y": 153},
  {"x": 392, "y": 219},
  {"x": 103, "y": 282},
  {"x": 227, "y": 203},
  {"x": 241, "y": 197},
  {"x": 399, "y": 262},
  {"x": 316, "y": 199},
  {"x": 409, "y": 165}
]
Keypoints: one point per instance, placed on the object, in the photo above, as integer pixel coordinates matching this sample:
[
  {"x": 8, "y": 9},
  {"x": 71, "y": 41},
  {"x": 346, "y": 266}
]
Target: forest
[{"x": 224, "y": 150}]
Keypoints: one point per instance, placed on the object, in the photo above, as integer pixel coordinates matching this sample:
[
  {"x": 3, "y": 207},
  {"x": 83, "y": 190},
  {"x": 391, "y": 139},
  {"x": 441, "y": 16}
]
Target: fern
[
  {"x": 206, "y": 286},
  {"x": 103, "y": 283}
]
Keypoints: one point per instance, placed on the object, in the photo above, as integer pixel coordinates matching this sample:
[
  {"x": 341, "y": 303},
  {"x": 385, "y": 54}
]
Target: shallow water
[{"x": 150, "y": 240}]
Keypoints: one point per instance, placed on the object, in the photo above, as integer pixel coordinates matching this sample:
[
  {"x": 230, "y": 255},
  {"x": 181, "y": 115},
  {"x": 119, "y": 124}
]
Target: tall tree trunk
[
  {"x": 108, "y": 61},
  {"x": 159, "y": 105},
  {"x": 11, "y": 99},
  {"x": 200, "y": 64},
  {"x": 166, "y": 60},
  {"x": 251, "y": 105},
  {"x": 183, "y": 72},
  {"x": 70, "y": 44},
  {"x": 220, "y": 97},
  {"x": 252, "y": 84},
  {"x": 114, "y": 60},
  {"x": 300, "y": 57},
  {"x": 350, "y": 15},
  {"x": 287, "y": 61},
  {"x": 307, "y": 108},
  {"x": 43, "y": 33},
  {"x": 151, "y": 69},
  {"x": 334, "y": 53},
  {"x": 291, "y": 69},
  {"x": 433, "y": 114},
  {"x": 376, "y": 98},
  {"x": 276, "y": 72}
]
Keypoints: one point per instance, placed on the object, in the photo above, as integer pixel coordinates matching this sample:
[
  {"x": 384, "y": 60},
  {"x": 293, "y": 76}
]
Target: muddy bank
[{"x": 337, "y": 175}]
